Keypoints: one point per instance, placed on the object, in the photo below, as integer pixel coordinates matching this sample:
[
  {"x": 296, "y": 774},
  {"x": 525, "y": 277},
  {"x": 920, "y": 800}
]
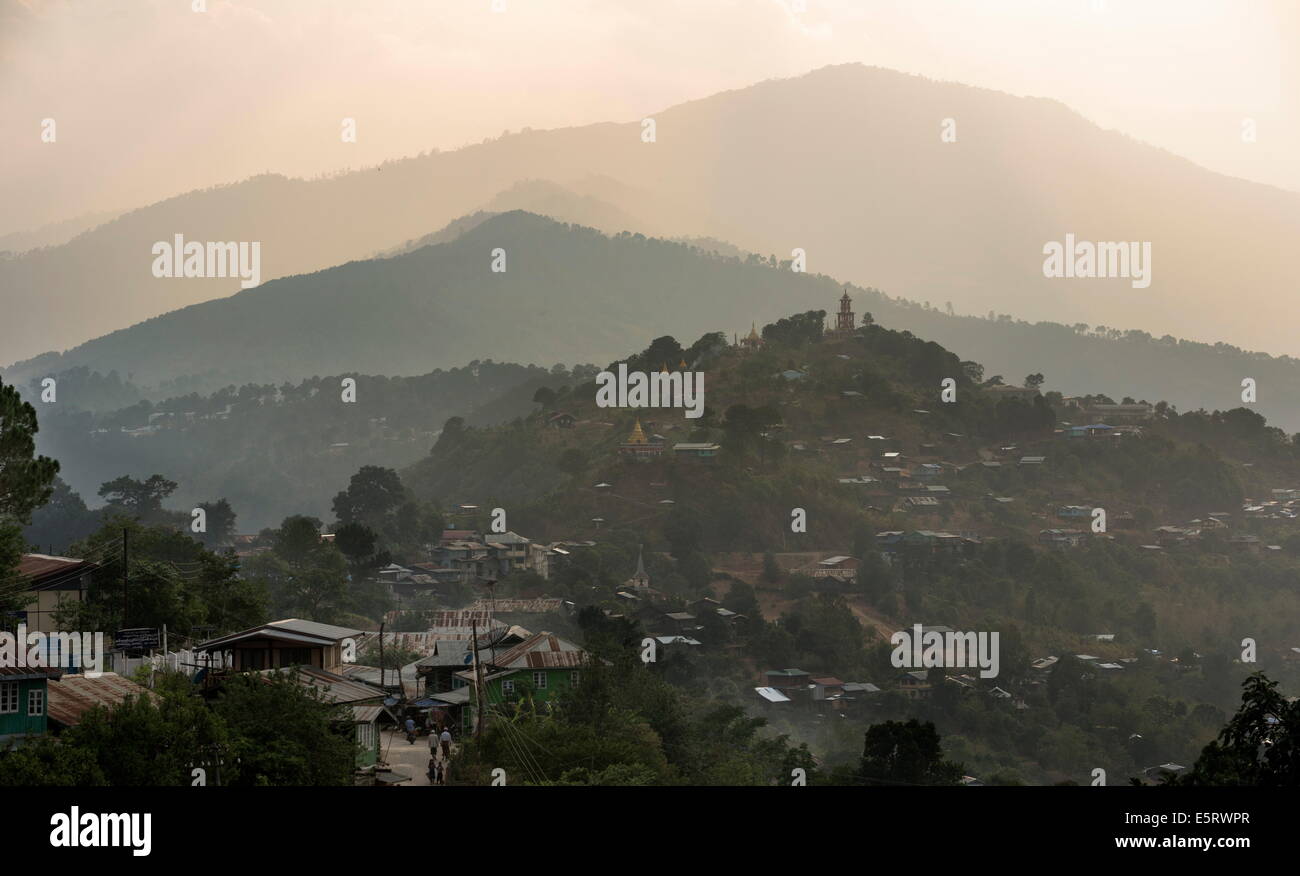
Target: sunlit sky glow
[{"x": 152, "y": 99}]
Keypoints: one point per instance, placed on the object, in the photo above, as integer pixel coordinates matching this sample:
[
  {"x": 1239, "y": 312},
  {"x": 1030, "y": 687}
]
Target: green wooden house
[
  {"x": 542, "y": 667},
  {"x": 24, "y": 701}
]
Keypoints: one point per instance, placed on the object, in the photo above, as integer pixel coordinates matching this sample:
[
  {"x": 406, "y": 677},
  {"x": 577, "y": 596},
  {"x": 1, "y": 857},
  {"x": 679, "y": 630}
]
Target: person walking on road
[{"x": 445, "y": 739}]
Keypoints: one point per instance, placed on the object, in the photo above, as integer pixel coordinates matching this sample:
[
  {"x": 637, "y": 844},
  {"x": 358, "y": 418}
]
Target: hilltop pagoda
[
  {"x": 845, "y": 320},
  {"x": 639, "y": 447},
  {"x": 752, "y": 341}
]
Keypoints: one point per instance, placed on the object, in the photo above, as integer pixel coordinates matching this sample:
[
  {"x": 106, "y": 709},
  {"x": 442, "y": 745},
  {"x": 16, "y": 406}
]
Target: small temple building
[
  {"x": 752, "y": 341},
  {"x": 639, "y": 447}
]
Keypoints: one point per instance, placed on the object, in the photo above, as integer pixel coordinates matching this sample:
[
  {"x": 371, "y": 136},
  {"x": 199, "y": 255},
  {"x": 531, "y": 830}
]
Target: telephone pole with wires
[{"x": 126, "y": 575}]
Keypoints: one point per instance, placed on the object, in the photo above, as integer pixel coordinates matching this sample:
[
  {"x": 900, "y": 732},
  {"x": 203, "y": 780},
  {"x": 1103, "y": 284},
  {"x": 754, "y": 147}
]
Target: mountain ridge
[{"x": 801, "y": 162}]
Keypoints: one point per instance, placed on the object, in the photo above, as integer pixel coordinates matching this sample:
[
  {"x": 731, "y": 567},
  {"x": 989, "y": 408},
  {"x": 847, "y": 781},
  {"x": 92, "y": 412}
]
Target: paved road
[{"x": 404, "y": 757}]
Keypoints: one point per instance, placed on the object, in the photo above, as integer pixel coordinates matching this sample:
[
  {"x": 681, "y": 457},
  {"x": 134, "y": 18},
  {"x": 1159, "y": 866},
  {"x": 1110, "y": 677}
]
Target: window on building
[
  {"x": 8, "y": 697},
  {"x": 574, "y": 678},
  {"x": 366, "y": 736},
  {"x": 35, "y": 703},
  {"x": 508, "y": 688},
  {"x": 539, "y": 680}
]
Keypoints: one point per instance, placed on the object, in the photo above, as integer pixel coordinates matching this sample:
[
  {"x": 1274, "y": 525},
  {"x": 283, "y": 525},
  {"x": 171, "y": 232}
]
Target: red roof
[
  {"x": 540, "y": 651},
  {"x": 41, "y": 569}
]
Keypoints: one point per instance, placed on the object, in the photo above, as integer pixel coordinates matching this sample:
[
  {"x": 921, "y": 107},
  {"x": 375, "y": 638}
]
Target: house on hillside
[
  {"x": 770, "y": 696},
  {"x": 1069, "y": 512},
  {"x": 927, "y": 541},
  {"x": 700, "y": 451},
  {"x": 543, "y": 664},
  {"x": 840, "y": 567},
  {"x": 561, "y": 420},
  {"x": 285, "y": 643},
  {"x": 50, "y": 582},
  {"x": 927, "y": 471},
  {"x": 790, "y": 683},
  {"x": 682, "y": 623},
  {"x": 915, "y": 685},
  {"x": 1094, "y": 430},
  {"x": 24, "y": 695},
  {"x": 827, "y": 687},
  {"x": 919, "y": 503},
  {"x": 1061, "y": 538}
]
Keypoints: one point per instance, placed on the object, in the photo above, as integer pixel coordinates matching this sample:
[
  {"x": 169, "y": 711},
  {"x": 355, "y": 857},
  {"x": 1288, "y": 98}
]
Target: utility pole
[
  {"x": 381, "y": 655},
  {"x": 478, "y": 683},
  {"x": 492, "y": 611},
  {"x": 126, "y": 573}
]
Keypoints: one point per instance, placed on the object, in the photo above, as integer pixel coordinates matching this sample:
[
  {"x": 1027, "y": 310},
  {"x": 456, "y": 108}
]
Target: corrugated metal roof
[
  {"x": 555, "y": 659},
  {"x": 290, "y": 629},
  {"x": 366, "y": 714},
  {"x": 39, "y": 565},
  {"x": 540, "y": 605},
  {"x": 40, "y": 570},
  {"x": 22, "y": 673},
  {"x": 540, "y": 651},
  {"x": 459, "y": 696},
  {"x": 263, "y": 633},
  {"x": 74, "y": 695},
  {"x": 407, "y": 677},
  {"x": 336, "y": 688},
  {"x": 312, "y": 628}
]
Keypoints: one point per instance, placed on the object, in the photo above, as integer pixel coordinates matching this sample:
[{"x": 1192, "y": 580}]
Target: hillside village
[{"x": 829, "y": 478}]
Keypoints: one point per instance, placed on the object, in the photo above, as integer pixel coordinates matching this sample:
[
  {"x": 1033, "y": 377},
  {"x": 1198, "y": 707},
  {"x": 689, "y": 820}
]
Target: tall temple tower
[
  {"x": 639, "y": 580},
  {"x": 844, "y": 321}
]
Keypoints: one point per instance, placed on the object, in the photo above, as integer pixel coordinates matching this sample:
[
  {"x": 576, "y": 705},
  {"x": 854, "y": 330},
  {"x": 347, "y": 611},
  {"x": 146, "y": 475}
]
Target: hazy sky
[{"x": 151, "y": 98}]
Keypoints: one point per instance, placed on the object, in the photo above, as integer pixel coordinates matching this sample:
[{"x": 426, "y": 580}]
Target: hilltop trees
[
  {"x": 797, "y": 330},
  {"x": 140, "y": 499},
  {"x": 376, "y": 501},
  {"x": 62, "y": 520},
  {"x": 373, "y": 494},
  {"x": 305, "y": 576},
  {"x": 26, "y": 480},
  {"x": 220, "y": 528}
]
